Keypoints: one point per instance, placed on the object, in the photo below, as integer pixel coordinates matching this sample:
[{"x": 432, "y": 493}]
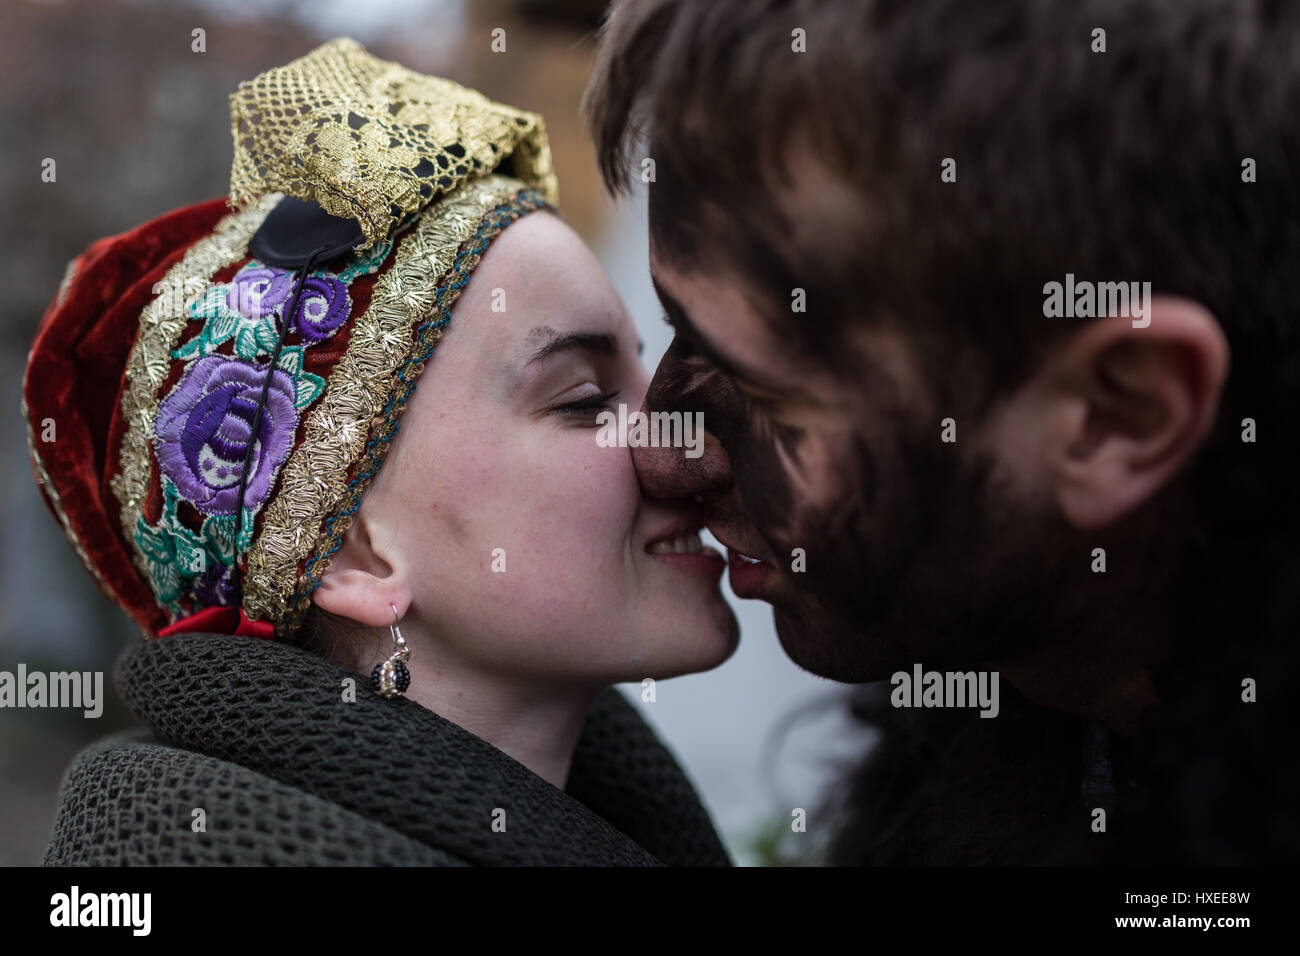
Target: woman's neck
[{"x": 537, "y": 721}]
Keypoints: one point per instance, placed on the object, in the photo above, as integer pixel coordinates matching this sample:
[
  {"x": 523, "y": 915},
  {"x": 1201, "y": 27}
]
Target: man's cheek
[
  {"x": 768, "y": 492},
  {"x": 723, "y": 412},
  {"x": 800, "y": 471},
  {"x": 829, "y": 516}
]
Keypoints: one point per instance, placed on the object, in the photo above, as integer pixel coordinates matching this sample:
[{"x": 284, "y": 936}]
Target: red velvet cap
[{"x": 72, "y": 391}]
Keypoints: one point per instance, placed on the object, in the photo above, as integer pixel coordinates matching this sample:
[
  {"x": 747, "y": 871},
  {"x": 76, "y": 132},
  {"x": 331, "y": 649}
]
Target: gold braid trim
[
  {"x": 373, "y": 141},
  {"x": 161, "y": 325},
  {"x": 313, "y": 484}
]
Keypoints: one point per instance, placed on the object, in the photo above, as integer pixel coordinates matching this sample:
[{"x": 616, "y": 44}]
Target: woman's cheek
[
  {"x": 551, "y": 518},
  {"x": 582, "y": 503},
  {"x": 609, "y": 484}
]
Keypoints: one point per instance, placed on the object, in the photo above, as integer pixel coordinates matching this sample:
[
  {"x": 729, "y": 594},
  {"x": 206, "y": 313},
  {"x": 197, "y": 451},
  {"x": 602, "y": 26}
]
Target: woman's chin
[{"x": 703, "y": 642}]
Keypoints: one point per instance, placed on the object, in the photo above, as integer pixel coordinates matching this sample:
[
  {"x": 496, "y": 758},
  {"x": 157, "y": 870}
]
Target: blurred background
[{"x": 138, "y": 124}]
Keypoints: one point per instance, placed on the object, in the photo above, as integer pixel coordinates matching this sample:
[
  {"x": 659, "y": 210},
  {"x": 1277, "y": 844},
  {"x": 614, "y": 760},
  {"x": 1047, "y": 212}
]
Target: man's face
[{"x": 836, "y": 497}]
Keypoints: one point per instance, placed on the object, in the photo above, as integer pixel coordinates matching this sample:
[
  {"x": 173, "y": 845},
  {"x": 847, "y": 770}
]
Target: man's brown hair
[
  {"x": 822, "y": 169},
  {"x": 730, "y": 107}
]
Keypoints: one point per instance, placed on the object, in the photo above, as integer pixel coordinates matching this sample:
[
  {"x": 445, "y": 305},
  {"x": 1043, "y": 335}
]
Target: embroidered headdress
[{"x": 210, "y": 393}]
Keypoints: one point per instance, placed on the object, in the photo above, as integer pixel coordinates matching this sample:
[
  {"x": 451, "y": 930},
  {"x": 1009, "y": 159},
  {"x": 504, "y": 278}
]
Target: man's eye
[{"x": 758, "y": 397}]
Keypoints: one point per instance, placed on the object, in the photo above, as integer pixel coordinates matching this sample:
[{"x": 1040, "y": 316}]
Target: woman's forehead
[{"x": 537, "y": 281}]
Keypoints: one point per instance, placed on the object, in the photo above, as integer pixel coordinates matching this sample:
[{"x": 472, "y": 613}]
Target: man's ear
[
  {"x": 1127, "y": 407},
  {"x": 364, "y": 578}
]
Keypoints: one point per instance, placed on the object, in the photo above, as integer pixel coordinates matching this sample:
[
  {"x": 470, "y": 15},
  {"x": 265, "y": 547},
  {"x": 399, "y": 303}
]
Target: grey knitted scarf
[{"x": 256, "y": 735}]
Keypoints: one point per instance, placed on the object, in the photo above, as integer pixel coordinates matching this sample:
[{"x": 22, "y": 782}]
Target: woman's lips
[
  {"x": 750, "y": 576},
  {"x": 688, "y": 553}
]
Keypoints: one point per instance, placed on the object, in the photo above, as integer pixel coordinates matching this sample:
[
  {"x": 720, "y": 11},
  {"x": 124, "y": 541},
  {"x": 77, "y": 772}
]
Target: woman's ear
[
  {"x": 364, "y": 577},
  {"x": 1129, "y": 407}
]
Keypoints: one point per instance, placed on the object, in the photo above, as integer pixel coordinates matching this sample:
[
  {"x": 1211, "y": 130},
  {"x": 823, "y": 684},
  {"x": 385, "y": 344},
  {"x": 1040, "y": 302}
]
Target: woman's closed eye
[{"x": 585, "y": 410}]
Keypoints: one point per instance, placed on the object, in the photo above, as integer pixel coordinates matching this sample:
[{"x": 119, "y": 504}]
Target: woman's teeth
[
  {"x": 684, "y": 545},
  {"x": 746, "y": 559}
]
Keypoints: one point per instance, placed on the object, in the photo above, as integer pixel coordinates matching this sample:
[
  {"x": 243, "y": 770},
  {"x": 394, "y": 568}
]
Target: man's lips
[
  {"x": 751, "y": 576},
  {"x": 734, "y": 545}
]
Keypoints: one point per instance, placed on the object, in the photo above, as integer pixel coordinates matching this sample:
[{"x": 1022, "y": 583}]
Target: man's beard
[{"x": 945, "y": 565}]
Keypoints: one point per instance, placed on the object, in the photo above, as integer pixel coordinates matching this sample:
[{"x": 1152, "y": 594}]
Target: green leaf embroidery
[
  {"x": 222, "y": 327},
  {"x": 193, "y": 348},
  {"x": 266, "y": 335},
  {"x": 246, "y": 530},
  {"x": 246, "y": 342},
  {"x": 164, "y": 579},
  {"x": 290, "y": 360},
  {"x": 360, "y": 264},
  {"x": 153, "y": 542},
  {"x": 211, "y": 303},
  {"x": 307, "y": 388},
  {"x": 219, "y": 531},
  {"x": 193, "y": 560}
]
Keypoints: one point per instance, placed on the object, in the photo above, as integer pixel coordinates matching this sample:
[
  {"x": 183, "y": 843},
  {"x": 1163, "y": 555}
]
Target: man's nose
[{"x": 666, "y": 472}]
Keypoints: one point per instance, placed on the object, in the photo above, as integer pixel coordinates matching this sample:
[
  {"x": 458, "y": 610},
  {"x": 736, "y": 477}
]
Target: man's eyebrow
[
  {"x": 686, "y": 329},
  {"x": 602, "y": 343}
]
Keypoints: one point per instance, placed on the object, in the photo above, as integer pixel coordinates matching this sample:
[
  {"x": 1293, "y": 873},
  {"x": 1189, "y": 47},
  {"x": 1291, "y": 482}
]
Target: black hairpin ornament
[{"x": 295, "y": 229}]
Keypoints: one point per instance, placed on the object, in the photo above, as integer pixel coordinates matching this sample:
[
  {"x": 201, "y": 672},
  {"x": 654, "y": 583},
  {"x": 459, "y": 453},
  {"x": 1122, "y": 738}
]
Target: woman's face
[{"x": 508, "y": 533}]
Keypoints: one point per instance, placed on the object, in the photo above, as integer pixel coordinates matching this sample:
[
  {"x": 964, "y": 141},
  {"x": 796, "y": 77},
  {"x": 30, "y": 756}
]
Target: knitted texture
[
  {"x": 129, "y": 800},
  {"x": 258, "y": 734}
]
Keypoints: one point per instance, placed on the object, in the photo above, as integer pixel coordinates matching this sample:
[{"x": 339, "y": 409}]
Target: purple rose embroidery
[
  {"x": 322, "y": 308},
  {"x": 258, "y": 292},
  {"x": 205, "y": 425},
  {"x": 215, "y": 587}
]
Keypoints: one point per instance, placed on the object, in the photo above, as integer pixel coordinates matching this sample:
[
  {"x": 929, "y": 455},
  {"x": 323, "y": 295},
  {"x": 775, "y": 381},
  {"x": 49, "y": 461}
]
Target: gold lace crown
[{"x": 370, "y": 140}]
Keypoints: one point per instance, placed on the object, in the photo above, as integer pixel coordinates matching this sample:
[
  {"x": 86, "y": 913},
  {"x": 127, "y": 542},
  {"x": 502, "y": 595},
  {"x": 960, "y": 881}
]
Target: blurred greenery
[{"x": 774, "y": 843}]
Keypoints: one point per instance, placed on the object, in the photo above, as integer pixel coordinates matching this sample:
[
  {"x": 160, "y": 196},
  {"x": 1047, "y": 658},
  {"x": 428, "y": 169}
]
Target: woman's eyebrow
[{"x": 602, "y": 343}]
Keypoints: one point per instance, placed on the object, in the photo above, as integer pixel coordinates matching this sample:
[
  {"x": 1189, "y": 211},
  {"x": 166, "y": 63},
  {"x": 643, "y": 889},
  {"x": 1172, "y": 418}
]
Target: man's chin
[{"x": 833, "y": 648}]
